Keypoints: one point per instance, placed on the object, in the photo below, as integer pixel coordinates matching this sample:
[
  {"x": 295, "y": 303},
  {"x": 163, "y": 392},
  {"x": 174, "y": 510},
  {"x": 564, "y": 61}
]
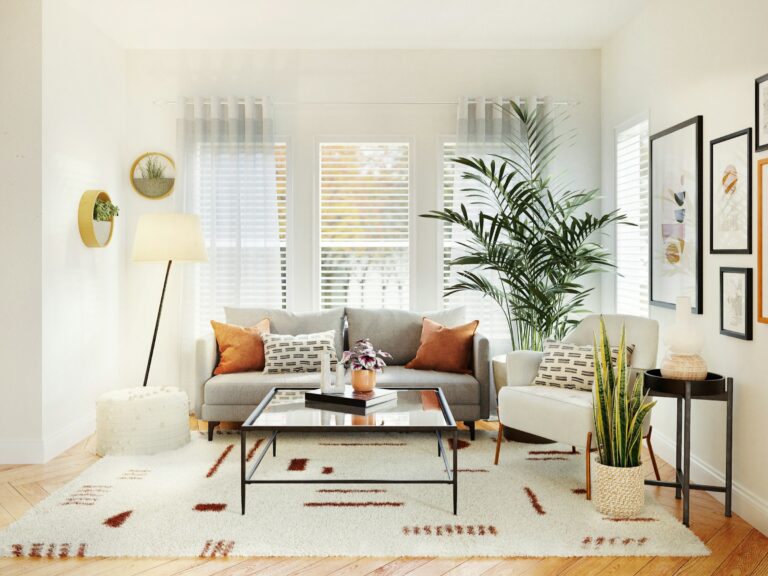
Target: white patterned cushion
[
  {"x": 570, "y": 366},
  {"x": 300, "y": 353}
]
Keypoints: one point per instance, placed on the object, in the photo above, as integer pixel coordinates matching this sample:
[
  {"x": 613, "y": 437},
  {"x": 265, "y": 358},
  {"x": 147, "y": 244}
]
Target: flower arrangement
[{"x": 364, "y": 356}]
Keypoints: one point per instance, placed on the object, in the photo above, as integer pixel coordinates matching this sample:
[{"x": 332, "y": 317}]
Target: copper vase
[{"x": 363, "y": 380}]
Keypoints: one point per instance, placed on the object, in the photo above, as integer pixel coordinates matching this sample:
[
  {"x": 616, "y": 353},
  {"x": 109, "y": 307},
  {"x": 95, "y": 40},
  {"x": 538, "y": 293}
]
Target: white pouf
[{"x": 141, "y": 420}]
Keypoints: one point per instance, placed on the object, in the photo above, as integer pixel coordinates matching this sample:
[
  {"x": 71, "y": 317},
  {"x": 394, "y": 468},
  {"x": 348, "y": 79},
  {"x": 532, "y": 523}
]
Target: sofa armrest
[
  {"x": 522, "y": 367},
  {"x": 206, "y": 358},
  {"x": 481, "y": 363}
]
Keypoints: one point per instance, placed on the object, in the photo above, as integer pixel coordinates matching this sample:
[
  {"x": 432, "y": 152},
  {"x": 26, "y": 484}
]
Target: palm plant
[
  {"x": 532, "y": 243},
  {"x": 619, "y": 405}
]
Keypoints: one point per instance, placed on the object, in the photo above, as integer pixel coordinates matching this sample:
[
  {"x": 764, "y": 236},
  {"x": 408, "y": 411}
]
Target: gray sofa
[{"x": 232, "y": 397}]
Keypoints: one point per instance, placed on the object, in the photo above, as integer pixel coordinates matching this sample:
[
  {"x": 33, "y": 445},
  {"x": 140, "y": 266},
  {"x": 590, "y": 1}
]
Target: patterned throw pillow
[
  {"x": 570, "y": 366},
  {"x": 300, "y": 353}
]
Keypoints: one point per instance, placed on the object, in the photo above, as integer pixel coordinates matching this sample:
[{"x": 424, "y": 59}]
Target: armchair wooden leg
[
  {"x": 499, "y": 440},
  {"x": 653, "y": 456},
  {"x": 588, "y": 452}
]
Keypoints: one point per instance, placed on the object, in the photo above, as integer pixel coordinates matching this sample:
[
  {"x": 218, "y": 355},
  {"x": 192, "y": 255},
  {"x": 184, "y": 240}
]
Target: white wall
[
  {"x": 333, "y": 94},
  {"x": 20, "y": 239},
  {"x": 83, "y": 118},
  {"x": 675, "y": 60}
]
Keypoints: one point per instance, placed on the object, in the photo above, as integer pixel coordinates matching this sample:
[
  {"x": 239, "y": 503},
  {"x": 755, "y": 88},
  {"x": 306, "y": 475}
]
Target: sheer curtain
[
  {"x": 228, "y": 177},
  {"x": 483, "y": 125}
]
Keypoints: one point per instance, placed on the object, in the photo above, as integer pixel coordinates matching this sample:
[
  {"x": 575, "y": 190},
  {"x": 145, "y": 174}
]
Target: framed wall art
[
  {"x": 761, "y": 113},
  {"x": 736, "y": 302},
  {"x": 676, "y": 195},
  {"x": 730, "y": 194},
  {"x": 762, "y": 240}
]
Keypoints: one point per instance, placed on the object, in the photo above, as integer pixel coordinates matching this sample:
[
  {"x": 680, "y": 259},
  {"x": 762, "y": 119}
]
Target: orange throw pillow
[
  {"x": 240, "y": 349},
  {"x": 445, "y": 349}
]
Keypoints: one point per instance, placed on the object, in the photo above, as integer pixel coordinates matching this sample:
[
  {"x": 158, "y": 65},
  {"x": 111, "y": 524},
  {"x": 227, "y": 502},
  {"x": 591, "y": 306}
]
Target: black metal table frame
[
  {"x": 246, "y": 477},
  {"x": 683, "y": 484}
]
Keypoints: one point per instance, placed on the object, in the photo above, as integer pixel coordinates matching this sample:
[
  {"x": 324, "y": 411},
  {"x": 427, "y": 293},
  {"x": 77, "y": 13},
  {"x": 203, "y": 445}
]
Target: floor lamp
[{"x": 166, "y": 237}]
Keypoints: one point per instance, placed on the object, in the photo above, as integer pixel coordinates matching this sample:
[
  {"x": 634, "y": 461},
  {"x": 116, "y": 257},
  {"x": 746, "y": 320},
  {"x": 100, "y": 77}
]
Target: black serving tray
[{"x": 712, "y": 385}]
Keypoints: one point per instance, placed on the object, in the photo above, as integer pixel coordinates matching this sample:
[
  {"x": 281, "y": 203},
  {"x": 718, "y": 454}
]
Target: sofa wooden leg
[
  {"x": 653, "y": 456},
  {"x": 211, "y": 426},
  {"x": 588, "y": 452},
  {"x": 499, "y": 440},
  {"x": 471, "y": 425}
]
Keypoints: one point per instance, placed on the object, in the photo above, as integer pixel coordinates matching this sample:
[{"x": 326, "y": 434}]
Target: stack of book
[{"x": 352, "y": 402}]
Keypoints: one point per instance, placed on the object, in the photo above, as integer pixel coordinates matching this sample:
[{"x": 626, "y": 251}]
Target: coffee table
[{"x": 415, "y": 410}]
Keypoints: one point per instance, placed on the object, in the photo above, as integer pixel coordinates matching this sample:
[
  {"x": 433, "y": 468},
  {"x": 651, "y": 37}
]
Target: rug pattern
[{"x": 187, "y": 503}]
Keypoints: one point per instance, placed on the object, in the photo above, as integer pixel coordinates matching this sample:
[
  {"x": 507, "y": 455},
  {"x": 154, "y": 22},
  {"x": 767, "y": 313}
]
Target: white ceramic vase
[{"x": 683, "y": 343}]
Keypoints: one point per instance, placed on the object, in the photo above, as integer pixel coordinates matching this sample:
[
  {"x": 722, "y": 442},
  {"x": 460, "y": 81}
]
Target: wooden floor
[{"x": 737, "y": 548}]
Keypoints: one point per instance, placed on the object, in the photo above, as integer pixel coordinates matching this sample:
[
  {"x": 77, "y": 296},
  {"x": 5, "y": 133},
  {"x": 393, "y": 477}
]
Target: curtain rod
[{"x": 359, "y": 102}]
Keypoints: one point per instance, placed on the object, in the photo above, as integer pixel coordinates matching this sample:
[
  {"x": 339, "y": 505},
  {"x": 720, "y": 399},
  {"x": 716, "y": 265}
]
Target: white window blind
[
  {"x": 492, "y": 321},
  {"x": 364, "y": 204},
  {"x": 632, "y": 199},
  {"x": 212, "y": 164},
  {"x": 281, "y": 169}
]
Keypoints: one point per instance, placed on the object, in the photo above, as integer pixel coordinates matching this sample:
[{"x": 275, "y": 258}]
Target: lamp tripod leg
[{"x": 157, "y": 322}]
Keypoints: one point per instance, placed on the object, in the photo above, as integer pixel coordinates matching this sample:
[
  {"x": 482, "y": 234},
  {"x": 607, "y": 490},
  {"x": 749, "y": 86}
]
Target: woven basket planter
[{"x": 618, "y": 492}]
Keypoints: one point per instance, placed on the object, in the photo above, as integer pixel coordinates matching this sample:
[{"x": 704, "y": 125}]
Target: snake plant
[
  {"x": 534, "y": 241},
  {"x": 619, "y": 405}
]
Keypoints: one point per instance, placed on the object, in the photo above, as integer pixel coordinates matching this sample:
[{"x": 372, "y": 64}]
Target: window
[
  {"x": 364, "y": 198},
  {"x": 492, "y": 321},
  {"x": 631, "y": 148},
  {"x": 281, "y": 169},
  {"x": 233, "y": 276}
]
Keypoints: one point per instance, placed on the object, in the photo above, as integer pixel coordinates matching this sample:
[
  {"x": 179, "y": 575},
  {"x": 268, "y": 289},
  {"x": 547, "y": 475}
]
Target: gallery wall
[{"x": 675, "y": 60}]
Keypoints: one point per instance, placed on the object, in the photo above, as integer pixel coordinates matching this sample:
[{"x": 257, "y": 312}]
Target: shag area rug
[{"x": 187, "y": 503}]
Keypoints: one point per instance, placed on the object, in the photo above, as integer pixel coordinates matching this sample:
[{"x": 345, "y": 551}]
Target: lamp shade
[{"x": 165, "y": 236}]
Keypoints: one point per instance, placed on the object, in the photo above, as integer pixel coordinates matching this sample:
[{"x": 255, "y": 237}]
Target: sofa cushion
[
  {"x": 240, "y": 349},
  {"x": 297, "y": 353},
  {"x": 559, "y": 414},
  {"x": 250, "y": 388},
  {"x": 284, "y": 322},
  {"x": 570, "y": 366},
  {"x": 396, "y": 331},
  {"x": 445, "y": 349}
]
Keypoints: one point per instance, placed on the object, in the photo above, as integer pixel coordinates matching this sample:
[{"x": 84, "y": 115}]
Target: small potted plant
[
  {"x": 103, "y": 213},
  {"x": 620, "y": 408},
  {"x": 364, "y": 361}
]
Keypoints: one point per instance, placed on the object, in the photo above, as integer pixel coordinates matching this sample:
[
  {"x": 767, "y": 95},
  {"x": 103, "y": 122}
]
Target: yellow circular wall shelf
[{"x": 94, "y": 234}]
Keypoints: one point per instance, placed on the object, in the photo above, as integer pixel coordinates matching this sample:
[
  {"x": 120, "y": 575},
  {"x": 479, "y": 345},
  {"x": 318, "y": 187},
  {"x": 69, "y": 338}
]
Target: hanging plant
[{"x": 104, "y": 211}]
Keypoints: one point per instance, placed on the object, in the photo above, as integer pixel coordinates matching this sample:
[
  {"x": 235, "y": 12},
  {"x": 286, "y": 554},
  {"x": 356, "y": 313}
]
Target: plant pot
[
  {"x": 363, "y": 380},
  {"x": 102, "y": 229},
  {"x": 153, "y": 187},
  {"x": 618, "y": 492}
]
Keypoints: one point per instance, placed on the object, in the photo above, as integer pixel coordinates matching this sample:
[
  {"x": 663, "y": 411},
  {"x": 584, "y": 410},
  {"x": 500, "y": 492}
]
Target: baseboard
[
  {"x": 63, "y": 439},
  {"x": 21, "y": 451},
  {"x": 745, "y": 503}
]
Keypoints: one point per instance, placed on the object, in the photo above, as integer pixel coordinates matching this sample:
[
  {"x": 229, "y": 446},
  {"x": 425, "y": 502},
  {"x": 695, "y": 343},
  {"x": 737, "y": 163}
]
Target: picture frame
[
  {"x": 675, "y": 215},
  {"x": 761, "y": 113},
  {"x": 762, "y": 240},
  {"x": 730, "y": 193},
  {"x": 736, "y": 302}
]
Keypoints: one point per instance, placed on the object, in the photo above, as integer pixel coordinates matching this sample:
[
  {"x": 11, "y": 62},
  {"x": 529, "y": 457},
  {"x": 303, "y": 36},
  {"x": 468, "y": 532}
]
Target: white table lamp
[{"x": 167, "y": 237}]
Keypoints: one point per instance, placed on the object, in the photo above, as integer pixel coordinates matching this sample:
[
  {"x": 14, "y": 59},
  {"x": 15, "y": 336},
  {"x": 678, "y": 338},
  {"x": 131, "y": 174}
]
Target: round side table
[
  {"x": 713, "y": 387},
  {"x": 143, "y": 420}
]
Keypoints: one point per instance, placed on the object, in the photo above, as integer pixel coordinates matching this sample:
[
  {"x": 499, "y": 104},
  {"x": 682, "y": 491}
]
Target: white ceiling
[{"x": 358, "y": 24}]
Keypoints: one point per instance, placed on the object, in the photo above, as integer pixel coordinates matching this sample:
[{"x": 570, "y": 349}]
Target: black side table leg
[
  {"x": 687, "y": 457},
  {"x": 242, "y": 471},
  {"x": 455, "y": 471},
  {"x": 729, "y": 448},
  {"x": 274, "y": 445},
  {"x": 679, "y": 449}
]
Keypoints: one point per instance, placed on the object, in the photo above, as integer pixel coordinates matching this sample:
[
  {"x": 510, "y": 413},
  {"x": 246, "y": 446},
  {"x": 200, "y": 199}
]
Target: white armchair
[{"x": 565, "y": 415}]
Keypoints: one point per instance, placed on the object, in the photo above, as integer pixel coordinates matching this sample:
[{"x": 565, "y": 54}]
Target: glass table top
[{"x": 410, "y": 409}]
